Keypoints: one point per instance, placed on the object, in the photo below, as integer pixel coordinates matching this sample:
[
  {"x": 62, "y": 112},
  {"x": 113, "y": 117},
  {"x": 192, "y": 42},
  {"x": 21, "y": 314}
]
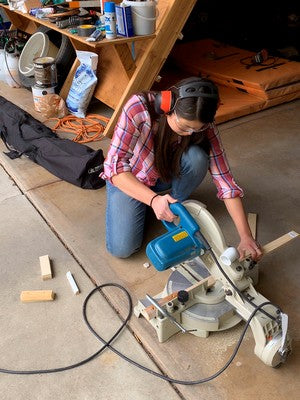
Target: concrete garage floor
[{"x": 42, "y": 215}]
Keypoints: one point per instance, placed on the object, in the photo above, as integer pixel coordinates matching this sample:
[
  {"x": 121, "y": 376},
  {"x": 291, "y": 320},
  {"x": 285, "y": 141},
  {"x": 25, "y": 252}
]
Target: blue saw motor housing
[{"x": 179, "y": 244}]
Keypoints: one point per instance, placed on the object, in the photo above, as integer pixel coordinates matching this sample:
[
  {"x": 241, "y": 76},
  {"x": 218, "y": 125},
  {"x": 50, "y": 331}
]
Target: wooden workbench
[{"x": 119, "y": 73}]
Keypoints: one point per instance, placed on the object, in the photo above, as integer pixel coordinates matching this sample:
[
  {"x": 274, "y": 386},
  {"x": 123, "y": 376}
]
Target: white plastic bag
[{"x": 83, "y": 84}]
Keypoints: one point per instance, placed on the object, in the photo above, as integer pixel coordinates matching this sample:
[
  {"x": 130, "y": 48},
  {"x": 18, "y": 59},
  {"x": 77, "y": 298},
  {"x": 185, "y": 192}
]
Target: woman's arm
[
  {"x": 130, "y": 185},
  {"x": 247, "y": 246}
]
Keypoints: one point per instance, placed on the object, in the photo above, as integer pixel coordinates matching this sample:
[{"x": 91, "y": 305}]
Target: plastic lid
[{"x": 109, "y": 6}]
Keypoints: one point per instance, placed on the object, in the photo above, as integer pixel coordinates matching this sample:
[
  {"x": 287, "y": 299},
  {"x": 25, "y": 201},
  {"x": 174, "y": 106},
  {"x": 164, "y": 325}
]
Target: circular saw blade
[{"x": 211, "y": 312}]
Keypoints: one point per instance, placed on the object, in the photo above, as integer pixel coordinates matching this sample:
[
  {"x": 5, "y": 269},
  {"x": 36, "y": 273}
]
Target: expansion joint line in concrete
[{"x": 106, "y": 297}]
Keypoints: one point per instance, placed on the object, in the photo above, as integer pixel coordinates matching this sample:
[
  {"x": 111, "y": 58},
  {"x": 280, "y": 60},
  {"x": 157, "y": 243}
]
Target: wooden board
[
  {"x": 31, "y": 296},
  {"x": 18, "y": 18},
  {"x": 282, "y": 240}
]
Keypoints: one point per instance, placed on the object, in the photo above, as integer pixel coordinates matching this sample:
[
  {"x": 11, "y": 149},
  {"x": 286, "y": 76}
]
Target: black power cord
[{"x": 107, "y": 344}]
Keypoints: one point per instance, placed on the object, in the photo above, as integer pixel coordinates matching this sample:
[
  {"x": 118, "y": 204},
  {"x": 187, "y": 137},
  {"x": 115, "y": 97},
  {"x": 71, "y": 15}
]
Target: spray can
[{"x": 110, "y": 20}]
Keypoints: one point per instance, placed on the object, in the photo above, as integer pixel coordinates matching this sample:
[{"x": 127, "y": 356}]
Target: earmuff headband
[
  {"x": 193, "y": 89},
  {"x": 166, "y": 100}
]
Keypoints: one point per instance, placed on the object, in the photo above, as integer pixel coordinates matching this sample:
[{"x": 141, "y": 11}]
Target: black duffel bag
[{"x": 73, "y": 162}]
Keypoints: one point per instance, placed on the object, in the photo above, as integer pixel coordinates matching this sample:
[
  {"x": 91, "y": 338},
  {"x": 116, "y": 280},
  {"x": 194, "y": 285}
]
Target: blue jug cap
[{"x": 109, "y": 6}]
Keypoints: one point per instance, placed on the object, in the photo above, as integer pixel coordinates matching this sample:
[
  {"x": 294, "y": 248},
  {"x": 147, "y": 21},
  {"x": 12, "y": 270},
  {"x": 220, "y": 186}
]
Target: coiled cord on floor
[
  {"x": 86, "y": 130},
  {"x": 107, "y": 344}
]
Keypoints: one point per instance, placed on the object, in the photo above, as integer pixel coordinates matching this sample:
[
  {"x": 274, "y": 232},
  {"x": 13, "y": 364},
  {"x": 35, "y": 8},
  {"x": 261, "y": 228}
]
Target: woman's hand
[
  {"x": 248, "y": 247},
  {"x": 161, "y": 208}
]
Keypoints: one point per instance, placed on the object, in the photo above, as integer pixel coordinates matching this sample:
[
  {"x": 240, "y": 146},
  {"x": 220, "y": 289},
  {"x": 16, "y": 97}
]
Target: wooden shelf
[
  {"x": 123, "y": 68},
  {"x": 37, "y": 21}
]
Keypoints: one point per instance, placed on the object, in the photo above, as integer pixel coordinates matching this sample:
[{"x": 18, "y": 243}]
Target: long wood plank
[{"x": 282, "y": 240}]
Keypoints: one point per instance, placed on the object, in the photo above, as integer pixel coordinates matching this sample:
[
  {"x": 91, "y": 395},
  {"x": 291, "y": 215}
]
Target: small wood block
[
  {"x": 279, "y": 242},
  {"x": 252, "y": 218},
  {"x": 45, "y": 267},
  {"x": 31, "y": 296},
  {"x": 72, "y": 283}
]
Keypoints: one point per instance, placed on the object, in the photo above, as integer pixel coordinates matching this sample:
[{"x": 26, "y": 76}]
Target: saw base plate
[{"x": 212, "y": 312}]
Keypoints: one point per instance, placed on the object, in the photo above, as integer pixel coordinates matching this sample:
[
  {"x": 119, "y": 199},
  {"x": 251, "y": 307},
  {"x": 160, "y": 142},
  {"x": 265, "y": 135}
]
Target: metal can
[{"x": 45, "y": 73}]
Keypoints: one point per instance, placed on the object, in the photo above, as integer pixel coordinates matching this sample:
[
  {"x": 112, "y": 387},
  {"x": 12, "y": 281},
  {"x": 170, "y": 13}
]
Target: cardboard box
[{"x": 124, "y": 21}]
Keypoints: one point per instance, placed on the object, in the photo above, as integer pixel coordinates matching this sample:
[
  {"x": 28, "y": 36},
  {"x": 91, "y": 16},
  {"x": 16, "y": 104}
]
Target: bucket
[
  {"x": 45, "y": 72},
  {"x": 143, "y": 16},
  {"x": 38, "y": 94},
  {"x": 38, "y": 45},
  {"x": 9, "y": 69}
]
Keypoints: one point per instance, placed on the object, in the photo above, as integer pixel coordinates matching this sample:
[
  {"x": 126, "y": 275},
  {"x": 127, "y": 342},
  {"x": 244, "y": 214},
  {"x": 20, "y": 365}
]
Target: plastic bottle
[{"x": 110, "y": 20}]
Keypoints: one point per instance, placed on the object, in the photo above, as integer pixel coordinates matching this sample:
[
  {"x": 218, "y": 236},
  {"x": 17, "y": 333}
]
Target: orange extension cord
[{"x": 88, "y": 129}]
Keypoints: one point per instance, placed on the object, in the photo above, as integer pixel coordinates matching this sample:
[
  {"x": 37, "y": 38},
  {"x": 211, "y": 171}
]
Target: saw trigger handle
[{"x": 186, "y": 219}]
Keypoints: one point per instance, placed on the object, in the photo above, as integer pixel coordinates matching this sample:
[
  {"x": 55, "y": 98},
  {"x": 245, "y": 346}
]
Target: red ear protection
[{"x": 164, "y": 102}]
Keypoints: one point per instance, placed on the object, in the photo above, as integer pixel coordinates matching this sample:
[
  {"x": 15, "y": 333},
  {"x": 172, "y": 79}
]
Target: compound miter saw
[{"x": 210, "y": 289}]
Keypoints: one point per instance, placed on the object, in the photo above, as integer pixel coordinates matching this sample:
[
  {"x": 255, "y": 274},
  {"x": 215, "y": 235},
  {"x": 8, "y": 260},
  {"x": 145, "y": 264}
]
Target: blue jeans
[{"x": 125, "y": 216}]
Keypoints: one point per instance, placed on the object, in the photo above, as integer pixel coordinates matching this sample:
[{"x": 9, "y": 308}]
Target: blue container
[{"x": 110, "y": 20}]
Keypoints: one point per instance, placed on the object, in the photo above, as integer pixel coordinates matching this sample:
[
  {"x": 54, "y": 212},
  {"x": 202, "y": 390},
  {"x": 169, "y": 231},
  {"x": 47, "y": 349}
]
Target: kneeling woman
[{"x": 167, "y": 141}]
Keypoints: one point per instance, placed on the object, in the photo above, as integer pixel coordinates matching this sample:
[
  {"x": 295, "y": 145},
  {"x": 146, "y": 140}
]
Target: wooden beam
[
  {"x": 68, "y": 82},
  {"x": 126, "y": 59},
  {"x": 31, "y": 296}
]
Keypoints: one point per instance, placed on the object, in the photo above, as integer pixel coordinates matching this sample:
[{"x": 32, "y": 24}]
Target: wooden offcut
[
  {"x": 31, "y": 296},
  {"x": 45, "y": 267}
]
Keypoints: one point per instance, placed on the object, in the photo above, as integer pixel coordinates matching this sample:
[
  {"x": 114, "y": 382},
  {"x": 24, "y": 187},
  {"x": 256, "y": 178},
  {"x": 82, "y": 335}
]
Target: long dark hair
[{"x": 202, "y": 109}]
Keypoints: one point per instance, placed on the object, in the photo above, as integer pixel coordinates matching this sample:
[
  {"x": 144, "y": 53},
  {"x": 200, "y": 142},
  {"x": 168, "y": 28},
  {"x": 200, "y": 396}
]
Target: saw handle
[{"x": 186, "y": 220}]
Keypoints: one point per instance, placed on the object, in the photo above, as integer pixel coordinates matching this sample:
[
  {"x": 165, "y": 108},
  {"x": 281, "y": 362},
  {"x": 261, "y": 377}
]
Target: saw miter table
[{"x": 210, "y": 289}]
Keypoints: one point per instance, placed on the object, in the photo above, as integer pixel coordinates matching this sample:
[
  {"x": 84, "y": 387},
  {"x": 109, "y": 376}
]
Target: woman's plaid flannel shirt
[{"x": 132, "y": 150}]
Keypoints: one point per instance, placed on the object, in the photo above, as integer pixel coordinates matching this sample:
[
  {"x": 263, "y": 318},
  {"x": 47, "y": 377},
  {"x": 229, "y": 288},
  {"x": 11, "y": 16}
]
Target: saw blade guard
[{"x": 209, "y": 226}]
